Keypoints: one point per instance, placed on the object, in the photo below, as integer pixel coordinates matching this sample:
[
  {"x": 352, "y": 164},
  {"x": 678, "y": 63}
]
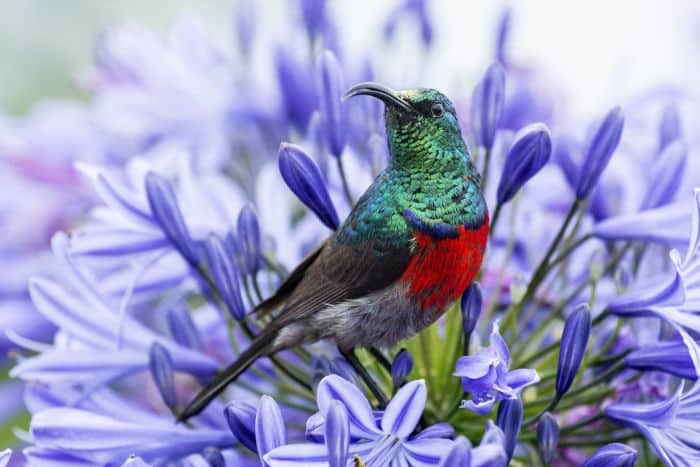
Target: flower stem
[
  {"x": 344, "y": 181},
  {"x": 485, "y": 169}
]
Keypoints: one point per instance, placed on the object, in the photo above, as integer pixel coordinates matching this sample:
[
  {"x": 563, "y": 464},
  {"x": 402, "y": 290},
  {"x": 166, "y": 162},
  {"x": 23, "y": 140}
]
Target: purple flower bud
[
  {"x": 471, "y": 307},
  {"x": 459, "y": 455},
  {"x": 612, "y": 455},
  {"x": 313, "y": 13},
  {"x": 241, "y": 421},
  {"x": 248, "y": 239},
  {"x": 337, "y": 434},
  {"x": 528, "y": 153},
  {"x": 547, "y": 437},
  {"x": 600, "y": 149},
  {"x": 297, "y": 89},
  {"x": 509, "y": 419},
  {"x": 182, "y": 328},
  {"x": 573, "y": 347},
  {"x": 670, "y": 128},
  {"x": 401, "y": 367},
  {"x": 161, "y": 365},
  {"x": 244, "y": 26},
  {"x": 331, "y": 89},
  {"x": 502, "y": 36},
  {"x": 225, "y": 276},
  {"x": 487, "y": 105},
  {"x": 303, "y": 177},
  {"x": 667, "y": 176},
  {"x": 213, "y": 457},
  {"x": 321, "y": 367},
  {"x": 270, "y": 431},
  {"x": 167, "y": 214},
  {"x": 669, "y": 357}
]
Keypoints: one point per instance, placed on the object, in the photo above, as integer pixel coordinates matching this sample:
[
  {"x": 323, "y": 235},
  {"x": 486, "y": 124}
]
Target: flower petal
[{"x": 405, "y": 409}]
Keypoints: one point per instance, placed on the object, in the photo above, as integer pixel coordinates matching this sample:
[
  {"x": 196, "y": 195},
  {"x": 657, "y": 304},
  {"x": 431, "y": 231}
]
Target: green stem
[
  {"x": 485, "y": 169},
  {"x": 344, "y": 181},
  {"x": 494, "y": 219},
  {"x": 542, "y": 268}
]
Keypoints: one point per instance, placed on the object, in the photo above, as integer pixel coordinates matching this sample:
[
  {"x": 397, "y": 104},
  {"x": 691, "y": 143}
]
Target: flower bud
[
  {"x": 167, "y": 214},
  {"x": 331, "y": 90},
  {"x": 337, "y": 434},
  {"x": 547, "y": 437},
  {"x": 471, "y": 302},
  {"x": 161, "y": 365},
  {"x": 248, "y": 239},
  {"x": 670, "y": 126},
  {"x": 667, "y": 174},
  {"x": 241, "y": 421},
  {"x": 296, "y": 88},
  {"x": 574, "y": 340},
  {"x": 213, "y": 457},
  {"x": 487, "y": 105},
  {"x": 303, "y": 177},
  {"x": 182, "y": 328},
  {"x": 612, "y": 455},
  {"x": 528, "y": 153},
  {"x": 270, "y": 431},
  {"x": 600, "y": 149},
  {"x": 225, "y": 276},
  {"x": 509, "y": 419},
  {"x": 459, "y": 455},
  {"x": 401, "y": 367}
]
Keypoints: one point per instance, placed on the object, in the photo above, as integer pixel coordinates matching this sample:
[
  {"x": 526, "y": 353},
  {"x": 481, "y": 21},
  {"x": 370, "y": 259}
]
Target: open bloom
[
  {"x": 487, "y": 376},
  {"x": 379, "y": 440}
]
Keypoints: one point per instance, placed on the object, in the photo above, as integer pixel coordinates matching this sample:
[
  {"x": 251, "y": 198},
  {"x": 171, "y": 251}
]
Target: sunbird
[{"x": 411, "y": 245}]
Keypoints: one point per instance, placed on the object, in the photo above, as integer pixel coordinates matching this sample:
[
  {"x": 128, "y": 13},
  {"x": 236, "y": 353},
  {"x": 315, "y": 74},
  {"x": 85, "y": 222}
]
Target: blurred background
[{"x": 595, "y": 48}]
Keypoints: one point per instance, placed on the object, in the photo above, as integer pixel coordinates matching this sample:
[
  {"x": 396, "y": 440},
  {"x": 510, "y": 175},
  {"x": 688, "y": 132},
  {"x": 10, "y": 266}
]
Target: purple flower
[
  {"x": 213, "y": 457},
  {"x": 240, "y": 416},
  {"x": 109, "y": 438},
  {"x": 337, "y": 434},
  {"x": 248, "y": 239},
  {"x": 600, "y": 149},
  {"x": 528, "y": 153},
  {"x": 670, "y": 425},
  {"x": 377, "y": 441},
  {"x": 670, "y": 128},
  {"x": 670, "y": 357},
  {"x": 401, "y": 367},
  {"x": 182, "y": 328},
  {"x": 416, "y": 8},
  {"x": 612, "y": 455},
  {"x": 225, "y": 276},
  {"x": 487, "y": 105},
  {"x": 313, "y": 13},
  {"x": 470, "y": 306},
  {"x": 163, "y": 204},
  {"x": 5, "y": 457},
  {"x": 574, "y": 340},
  {"x": 547, "y": 437},
  {"x": 161, "y": 365},
  {"x": 296, "y": 83},
  {"x": 303, "y": 177},
  {"x": 509, "y": 419},
  {"x": 331, "y": 89},
  {"x": 667, "y": 174},
  {"x": 487, "y": 378},
  {"x": 270, "y": 431}
]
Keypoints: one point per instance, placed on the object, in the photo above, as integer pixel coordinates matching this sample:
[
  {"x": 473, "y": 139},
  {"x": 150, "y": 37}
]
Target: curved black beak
[{"x": 383, "y": 93}]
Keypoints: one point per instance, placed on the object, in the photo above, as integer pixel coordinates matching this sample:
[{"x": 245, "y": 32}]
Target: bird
[{"x": 411, "y": 245}]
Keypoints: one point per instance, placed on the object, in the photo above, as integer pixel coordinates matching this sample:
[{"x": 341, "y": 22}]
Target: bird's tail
[{"x": 259, "y": 347}]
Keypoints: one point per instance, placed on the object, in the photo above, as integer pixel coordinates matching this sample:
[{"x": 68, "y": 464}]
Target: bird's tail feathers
[{"x": 257, "y": 348}]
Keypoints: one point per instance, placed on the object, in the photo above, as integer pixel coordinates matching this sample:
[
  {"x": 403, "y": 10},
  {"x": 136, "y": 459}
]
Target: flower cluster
[{"x": 170, "y": 206}]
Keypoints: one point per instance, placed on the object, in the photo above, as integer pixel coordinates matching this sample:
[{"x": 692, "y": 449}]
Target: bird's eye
[{"x": 437, "y": 110}]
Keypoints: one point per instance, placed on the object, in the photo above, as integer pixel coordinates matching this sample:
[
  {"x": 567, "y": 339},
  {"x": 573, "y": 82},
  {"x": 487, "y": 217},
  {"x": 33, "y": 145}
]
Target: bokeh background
[{"x": 596, "y": 48}]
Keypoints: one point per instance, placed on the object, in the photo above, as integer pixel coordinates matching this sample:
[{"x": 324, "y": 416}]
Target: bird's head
[{"x": 416, "y": 119}]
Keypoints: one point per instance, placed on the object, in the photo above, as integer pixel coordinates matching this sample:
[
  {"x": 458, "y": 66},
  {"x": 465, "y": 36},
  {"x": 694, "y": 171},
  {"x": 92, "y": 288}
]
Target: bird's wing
[
  {"x": 290, "y": 283},
  {"x": 343, "y": 271}
]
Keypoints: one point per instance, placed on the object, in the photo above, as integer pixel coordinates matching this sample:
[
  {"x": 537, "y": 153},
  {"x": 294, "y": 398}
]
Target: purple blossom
[
  {"x": 667, "y": 173},
  {"x": 488, "y": 378},
  {"x": 574, "y": 340},
  {"x": 487, "y": 105},
  {"x": 331, "y": 89},
  {"x": 670, "y": 128},
  {"x": 612, "y": 455},
  {"x": 470, "y": 306},
  {"x": 600, "y": 149},
  {"x": 377, "y": 442},
  {"x": 547, "y": 437},
  {"x": 401, "y": 367},
  {"x": 670, "y": 357}
]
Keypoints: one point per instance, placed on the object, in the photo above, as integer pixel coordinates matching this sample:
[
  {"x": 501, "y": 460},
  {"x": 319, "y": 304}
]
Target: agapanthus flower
[
  {"x": 488, "y": 378},
  {"x": 387, "y": 440}
]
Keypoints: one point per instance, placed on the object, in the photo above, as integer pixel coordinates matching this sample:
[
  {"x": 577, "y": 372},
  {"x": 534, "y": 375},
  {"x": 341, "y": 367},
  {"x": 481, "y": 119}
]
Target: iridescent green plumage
[{"x": 430, "y": 173}]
